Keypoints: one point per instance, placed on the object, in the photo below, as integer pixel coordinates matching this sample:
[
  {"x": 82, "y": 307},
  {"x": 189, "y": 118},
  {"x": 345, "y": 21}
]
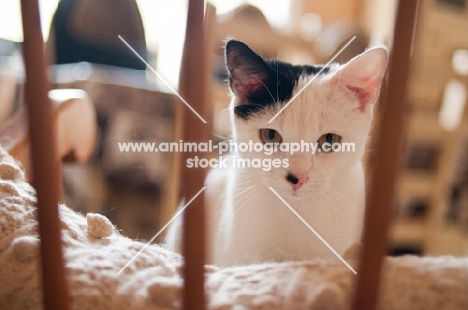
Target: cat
[{"x": 247, "y": 222}]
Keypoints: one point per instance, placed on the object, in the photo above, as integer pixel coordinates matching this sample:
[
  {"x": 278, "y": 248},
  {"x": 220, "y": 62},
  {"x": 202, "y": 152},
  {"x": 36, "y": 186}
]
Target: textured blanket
[{"x": 95, "y": 251}]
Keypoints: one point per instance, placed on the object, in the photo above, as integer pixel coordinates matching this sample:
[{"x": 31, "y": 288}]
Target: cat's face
[{"x": 336, "y": 107}]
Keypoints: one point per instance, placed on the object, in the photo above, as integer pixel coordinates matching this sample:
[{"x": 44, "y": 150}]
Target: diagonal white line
[
  {"x": 161, "y": 78},
  {"x": 162, "y": 229},
  {"x": 311, "y": 80},
  {"x": 313, "y": 230}
]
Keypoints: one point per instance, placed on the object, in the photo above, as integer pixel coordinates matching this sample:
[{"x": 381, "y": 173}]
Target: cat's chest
[{"x": 268, "y": 230}]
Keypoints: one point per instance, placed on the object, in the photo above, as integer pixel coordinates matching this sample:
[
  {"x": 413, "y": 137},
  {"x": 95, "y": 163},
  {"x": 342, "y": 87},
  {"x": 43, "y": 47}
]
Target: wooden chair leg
[
  {"x": 192, "y": 88},
  {"x": 44, "y": 160},
  {"x": 381, "y": 195}
]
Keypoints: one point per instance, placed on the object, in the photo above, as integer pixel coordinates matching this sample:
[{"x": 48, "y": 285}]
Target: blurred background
[{"x": 134, "y": 190}]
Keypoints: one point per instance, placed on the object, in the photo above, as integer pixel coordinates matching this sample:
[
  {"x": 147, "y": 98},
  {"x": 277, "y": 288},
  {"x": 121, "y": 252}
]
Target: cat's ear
[
  {"x": 248, "y": 72},
  {"x": 363, "y": 75}
]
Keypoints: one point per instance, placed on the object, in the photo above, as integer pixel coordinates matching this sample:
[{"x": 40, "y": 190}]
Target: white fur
[{"x": 248, "y": 223}]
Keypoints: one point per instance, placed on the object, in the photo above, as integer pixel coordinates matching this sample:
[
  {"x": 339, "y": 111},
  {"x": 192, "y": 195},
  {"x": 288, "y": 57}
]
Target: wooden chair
[
  {"x": 381, "y": 195},
  {"x": 41, "y": 140}
]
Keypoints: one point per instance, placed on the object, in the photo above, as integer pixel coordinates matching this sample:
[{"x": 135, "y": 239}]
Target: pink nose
[{"x": 296, "y": 181}]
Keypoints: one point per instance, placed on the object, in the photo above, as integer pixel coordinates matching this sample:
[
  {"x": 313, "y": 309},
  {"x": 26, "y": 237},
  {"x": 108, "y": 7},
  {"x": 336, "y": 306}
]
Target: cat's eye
[
  {"x": 329, "y": 138},
  {"x": 270, "y": 136}
]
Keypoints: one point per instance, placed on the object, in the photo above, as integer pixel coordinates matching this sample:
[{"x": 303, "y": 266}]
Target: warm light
[
  {"x": 310, "y": 26},
  {"x": 10, "y": 18},
  {"x": 460, "y": 62},
  {"x": 453, "y": 105},
  {"x": 164, "y": 23},
  {"x": 277, "y": 12}
]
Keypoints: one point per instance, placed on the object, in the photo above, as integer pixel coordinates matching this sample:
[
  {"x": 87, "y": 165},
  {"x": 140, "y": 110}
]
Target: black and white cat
[{"x": 248, "y": 222}]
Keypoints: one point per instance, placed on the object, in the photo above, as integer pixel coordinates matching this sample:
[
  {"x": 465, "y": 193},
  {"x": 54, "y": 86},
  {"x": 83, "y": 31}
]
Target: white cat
[{"x": 247, "y": 221}]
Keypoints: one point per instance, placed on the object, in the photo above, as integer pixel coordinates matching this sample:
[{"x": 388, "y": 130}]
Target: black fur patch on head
[{"x": 260, "y": 83}]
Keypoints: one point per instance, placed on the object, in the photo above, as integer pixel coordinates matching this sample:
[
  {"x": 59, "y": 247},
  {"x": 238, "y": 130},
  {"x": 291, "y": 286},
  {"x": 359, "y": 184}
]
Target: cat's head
[{"x": 335, "y": 106}]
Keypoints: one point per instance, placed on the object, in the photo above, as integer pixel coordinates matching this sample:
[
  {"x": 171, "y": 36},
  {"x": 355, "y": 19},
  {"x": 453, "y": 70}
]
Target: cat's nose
[{"x": 296, "y": 180}]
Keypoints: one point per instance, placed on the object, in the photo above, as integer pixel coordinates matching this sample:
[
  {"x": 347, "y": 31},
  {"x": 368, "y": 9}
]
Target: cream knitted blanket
[{"x": 95, "y": 252}]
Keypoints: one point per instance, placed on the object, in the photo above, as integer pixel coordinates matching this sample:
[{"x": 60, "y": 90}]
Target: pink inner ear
[
  {"x": 362, "y": 94},
  {"x": 243, "y": 90}
]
